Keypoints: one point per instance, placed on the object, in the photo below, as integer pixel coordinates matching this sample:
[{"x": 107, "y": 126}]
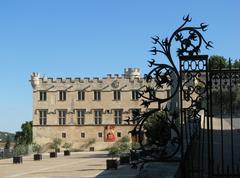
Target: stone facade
[{"x": 79, "y": 110}]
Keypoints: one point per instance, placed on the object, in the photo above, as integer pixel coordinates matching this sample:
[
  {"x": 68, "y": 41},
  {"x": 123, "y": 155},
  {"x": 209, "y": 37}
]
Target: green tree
[
  {"x": 18, "y": 138},
  {"x": 217, "y": 62},
  {"x": 236, "y": 63},
  {"x": 27, "y": 132},
  {"x": 24, "y": 136},
  {"x": 8, "y": 143},
  {"x": 157, "y": 129}
]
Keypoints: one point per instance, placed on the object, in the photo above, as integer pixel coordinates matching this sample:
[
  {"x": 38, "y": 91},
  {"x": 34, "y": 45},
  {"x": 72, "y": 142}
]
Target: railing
[{"x": 6, "y": 153}]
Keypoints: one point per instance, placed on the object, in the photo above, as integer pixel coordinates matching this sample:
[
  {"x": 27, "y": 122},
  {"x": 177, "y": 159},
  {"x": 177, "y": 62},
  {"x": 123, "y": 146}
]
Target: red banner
[{"x": 110, "y": 133}]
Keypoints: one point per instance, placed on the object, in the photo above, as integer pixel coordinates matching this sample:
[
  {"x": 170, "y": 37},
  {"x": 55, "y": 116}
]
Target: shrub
[
  {"x": 124, "y": 139},
  {"x": 123, "y": 144},
  {"x": 113, "y": 151},
  {"x": 124, "y": 147},
  {"x": 20, "y": 150},
  {"x": 157, "y": 129},
  {"x": 135, "y": 146},
  {"x": 55, "y": 144},
  {"x": 67, "y": 145},
  {"x": 36, "y": 148}
]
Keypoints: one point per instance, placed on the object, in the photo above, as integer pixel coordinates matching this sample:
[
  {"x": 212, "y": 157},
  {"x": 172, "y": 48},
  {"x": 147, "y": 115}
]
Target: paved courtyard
[{"x": 80, "y": 164}]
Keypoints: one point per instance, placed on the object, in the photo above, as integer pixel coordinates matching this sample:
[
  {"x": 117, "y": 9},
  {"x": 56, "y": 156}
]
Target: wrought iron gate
[
  {"x": 201, "y": 126},
  {"x": 224, "y": 121},
  {"x": 210, "y": 118},
  {"x": 193, "y": 110}
]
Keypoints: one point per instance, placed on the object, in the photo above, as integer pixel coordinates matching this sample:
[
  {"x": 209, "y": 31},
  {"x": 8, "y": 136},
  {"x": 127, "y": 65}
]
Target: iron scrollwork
[{"x": 167, "y": 142}]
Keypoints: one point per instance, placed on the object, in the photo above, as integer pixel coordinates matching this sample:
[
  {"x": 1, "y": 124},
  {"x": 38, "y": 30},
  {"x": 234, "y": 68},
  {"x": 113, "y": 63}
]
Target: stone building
[{"x": 82, "y": 109}]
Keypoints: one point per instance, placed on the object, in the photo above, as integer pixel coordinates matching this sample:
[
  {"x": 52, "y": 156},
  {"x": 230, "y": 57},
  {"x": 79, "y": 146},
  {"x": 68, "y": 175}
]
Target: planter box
[
  {"x": 66, "y": 153},
  {"x": 124, "y": 159},
  {"x": 143, "y": 153},
  {"x": 53, "y": 154},
  {"x": 134, "y": 156},
  {"x": 37, "y": 157},
  {"x": 112, "y": 163},
  {"x": 17, "y": 159}
]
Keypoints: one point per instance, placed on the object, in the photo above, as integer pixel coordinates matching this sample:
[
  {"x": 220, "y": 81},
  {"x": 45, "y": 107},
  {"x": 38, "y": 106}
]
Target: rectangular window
[
  {"x": 98, "y": 117},
  {"x": 100, "y": 135},
  {"x": 135, "y": 95},
  {"x": 42, "y": 95},
  {"x": 62, "y": 117},
  {"x": 119, "y": 134},
  {"x": 81, "y": 95},
  {"x": 117, "y": 95},
  {"x": 97, "y": 95},
  {"x": 118, "y": 117},
  {"x": 43, "y": 117},
  {"x": 62, "y": 95},
  {"x": 81, "y": 116},
  {"x": 82, "y": 135},
  {"x": 64, "y": 135}
]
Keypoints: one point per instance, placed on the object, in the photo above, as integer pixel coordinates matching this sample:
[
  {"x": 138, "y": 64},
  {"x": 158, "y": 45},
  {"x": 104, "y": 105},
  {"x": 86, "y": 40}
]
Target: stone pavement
[{"x": 78, "y": 165}]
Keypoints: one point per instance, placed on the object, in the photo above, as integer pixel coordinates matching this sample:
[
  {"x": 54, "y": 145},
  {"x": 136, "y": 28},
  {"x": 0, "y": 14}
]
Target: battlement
[
  {"x": 35, "y": 79},
  {"x": 130, "y": 70},
  {"x": 83, "y": 80},
  {"x": 132, "y": 74}
]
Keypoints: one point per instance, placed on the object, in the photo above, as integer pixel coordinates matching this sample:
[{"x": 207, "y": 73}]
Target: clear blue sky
[{"x": 86, "y": 38}]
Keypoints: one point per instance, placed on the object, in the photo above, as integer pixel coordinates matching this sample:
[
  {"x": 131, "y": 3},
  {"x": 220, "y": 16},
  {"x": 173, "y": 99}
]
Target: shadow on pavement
[{"x": 123, "y": 171}]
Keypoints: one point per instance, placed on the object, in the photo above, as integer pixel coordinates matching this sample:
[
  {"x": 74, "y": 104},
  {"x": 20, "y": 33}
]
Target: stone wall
[{"x": 44, "y": 134}]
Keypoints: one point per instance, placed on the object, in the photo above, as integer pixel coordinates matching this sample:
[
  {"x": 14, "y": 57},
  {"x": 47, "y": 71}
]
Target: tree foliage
[
  {"x": 120, "y": 146},
  {"x": 221, "y": 98},
  {"x": 113, "y": 151},
  {"x": 217, "y": 62},
  {"x": 36, "y": 148},
  {"x": 236, "y": 63},
  {"x": 56, "y": 144},
  {"x": 27, "y": 132},
  {"x": 67, "y": 145},
  {"x": 8, "y": 143},
  {"x": 24, "y": 136},
  {"x": 20, "y": 149},
  {"x": 226, "y": 102},
  {"x": 4, "y": 136},
  {"x": 157, "y": 130}
]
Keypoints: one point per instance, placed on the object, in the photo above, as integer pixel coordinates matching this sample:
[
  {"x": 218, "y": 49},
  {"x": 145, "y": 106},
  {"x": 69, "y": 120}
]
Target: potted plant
[
  {"x": 19, "y": 150},
  {"x": 124, "y": 154},
  {"x": 36, "y": 149},
  {"x": 55, "y": 146},
  {"x": 112, "y": 163},
  {"x": 124, "y": 148},
  {"x": 67, "y": 146}
]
